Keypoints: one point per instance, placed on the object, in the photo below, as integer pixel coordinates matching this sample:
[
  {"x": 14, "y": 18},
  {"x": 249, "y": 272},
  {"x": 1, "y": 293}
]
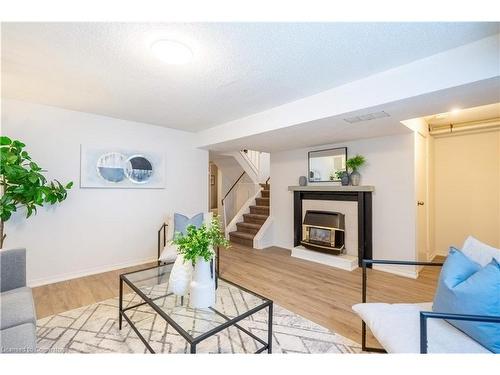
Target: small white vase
[
  {"x": 355, "y": 178},
  {"x": 202, "y": 293},
  {"x": 180, "y": 276}
]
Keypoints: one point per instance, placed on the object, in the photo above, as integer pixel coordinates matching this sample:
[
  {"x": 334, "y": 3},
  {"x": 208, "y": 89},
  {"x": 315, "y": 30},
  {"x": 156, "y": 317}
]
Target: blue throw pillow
[
  {"x": 181, "y": 222},
  {"x": 467, "y": 288}
]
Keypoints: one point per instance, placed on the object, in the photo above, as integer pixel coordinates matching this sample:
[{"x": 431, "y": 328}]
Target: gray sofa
[{"x": 17, "y": 311}]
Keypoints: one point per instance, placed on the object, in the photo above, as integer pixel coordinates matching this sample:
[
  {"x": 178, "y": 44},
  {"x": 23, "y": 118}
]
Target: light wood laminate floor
[{"x": 320, "y": 293}]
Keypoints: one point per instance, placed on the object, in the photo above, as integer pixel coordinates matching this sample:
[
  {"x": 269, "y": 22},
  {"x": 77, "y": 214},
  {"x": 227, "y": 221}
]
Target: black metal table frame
[{"x": 193, "y": 341}]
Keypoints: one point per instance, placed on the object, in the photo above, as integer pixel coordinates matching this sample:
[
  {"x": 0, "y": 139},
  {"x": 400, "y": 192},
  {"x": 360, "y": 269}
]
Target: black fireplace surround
[{"x": 364, "y": 201}]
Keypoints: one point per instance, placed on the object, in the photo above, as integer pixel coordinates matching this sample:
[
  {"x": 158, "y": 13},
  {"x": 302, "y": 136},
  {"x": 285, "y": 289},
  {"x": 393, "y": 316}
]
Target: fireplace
[
  {"x": 361, "y": 249},
  {"x": 324, "y": 231}
]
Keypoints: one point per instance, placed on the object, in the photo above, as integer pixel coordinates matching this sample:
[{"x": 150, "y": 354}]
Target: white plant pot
[
  {"x": 202, "y": 294},
  {"x": 180, "y": 276}
]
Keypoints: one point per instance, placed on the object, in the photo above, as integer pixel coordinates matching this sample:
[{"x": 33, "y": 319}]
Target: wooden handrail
[{"x": 232, "y": 187}]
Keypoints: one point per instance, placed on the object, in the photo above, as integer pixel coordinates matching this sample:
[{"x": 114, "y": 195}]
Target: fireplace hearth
[{"x": 324, "y": 231}]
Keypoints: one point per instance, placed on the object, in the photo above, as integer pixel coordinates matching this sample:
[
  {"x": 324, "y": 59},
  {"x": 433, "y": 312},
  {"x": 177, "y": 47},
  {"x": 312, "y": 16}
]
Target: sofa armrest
[
  {"x": 12, "y": 269},
  {"x": 424, "y": 315}
]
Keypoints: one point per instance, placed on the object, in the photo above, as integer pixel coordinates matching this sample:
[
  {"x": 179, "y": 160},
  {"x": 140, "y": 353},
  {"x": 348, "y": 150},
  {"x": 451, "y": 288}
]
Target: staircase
[{"x": 248, "y": 228}]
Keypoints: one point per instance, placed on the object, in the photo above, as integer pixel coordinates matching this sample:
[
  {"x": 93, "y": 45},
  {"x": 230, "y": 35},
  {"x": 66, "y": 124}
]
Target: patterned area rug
[{"x": 94, "y": 329}]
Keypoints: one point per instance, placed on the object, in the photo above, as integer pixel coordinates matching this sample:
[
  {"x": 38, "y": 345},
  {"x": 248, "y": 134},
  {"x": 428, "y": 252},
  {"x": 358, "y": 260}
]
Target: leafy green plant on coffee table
[
  {"x": 23, "y": 184},
  {"x": 355, "y": 162},
  {"x": 200, "y": 242}
]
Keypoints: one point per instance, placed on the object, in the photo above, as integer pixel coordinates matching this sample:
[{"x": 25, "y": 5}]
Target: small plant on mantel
[
  {"x": 355, "y": 162},
  {"x": 339, "y": 174},
  {"x": 22, "y": 183},
  {"x": 200, "y": 242}
]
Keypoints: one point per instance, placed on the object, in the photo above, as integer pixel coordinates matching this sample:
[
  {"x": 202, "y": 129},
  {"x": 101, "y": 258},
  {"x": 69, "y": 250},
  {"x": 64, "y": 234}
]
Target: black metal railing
[{"x": 232, "y": 187}]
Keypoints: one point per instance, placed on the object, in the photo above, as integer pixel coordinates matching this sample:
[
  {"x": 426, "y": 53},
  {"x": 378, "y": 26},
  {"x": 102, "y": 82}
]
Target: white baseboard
[
  {"x": 395, "y": 271},
  {"x": 442, "y": 253},
  {"x": 431, "y": 256},
  {"x": 344, "y": 262},
  {"x": 87, "y": 272},
  {"x": 259, "y": 239}
]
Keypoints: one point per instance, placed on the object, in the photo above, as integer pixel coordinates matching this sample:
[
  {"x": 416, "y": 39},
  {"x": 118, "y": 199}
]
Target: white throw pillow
[
  {"x": 170, "y": 229},
  {"x": 207, "y": 218},
  {"x": 479, "y": 252},
  {"x": 169, "y": 253}
]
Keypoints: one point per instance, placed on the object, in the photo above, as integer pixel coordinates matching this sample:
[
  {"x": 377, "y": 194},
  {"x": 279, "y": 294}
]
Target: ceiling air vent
[{"x": 367, "y": 117}]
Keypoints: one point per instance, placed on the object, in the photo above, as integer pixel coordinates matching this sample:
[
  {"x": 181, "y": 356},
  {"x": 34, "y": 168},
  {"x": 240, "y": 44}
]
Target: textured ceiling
[{"x": 239, "y": 68}]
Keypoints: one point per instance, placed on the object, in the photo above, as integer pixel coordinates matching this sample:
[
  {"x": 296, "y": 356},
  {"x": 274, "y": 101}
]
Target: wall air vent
[{"x": 367, "y": 117}]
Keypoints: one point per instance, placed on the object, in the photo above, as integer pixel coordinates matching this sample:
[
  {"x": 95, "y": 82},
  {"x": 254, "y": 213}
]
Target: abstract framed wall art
[{"x": 106, "y": 167}]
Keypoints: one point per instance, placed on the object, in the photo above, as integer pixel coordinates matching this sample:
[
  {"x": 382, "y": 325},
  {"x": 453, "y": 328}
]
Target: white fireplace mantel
[{"x": 366, "y": 188}]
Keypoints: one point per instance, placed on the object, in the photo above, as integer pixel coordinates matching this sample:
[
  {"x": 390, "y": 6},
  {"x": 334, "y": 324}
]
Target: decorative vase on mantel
[
  {"x": 344, "y": 179},
  {"x": 355, "y": 178},
  {"x": 202, "y": 287}
]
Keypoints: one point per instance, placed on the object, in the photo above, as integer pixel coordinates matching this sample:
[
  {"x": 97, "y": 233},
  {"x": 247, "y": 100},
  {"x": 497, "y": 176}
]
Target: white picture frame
[{"x": 121, "y": 168}]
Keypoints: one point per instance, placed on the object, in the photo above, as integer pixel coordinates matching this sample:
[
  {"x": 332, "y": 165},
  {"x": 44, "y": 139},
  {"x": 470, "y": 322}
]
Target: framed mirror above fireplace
[{"x": 323, "y": 164}]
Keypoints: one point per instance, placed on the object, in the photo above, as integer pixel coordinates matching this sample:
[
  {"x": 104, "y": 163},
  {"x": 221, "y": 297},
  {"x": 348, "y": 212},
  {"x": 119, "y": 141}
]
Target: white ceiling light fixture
[{"x": 172, "y": 52}]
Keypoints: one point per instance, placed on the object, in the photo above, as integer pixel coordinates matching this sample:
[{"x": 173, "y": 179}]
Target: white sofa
[{"x": 397, "y": 327}]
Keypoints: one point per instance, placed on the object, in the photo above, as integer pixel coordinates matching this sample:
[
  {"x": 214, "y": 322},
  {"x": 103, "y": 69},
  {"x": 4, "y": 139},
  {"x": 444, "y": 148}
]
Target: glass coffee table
[{"x": 233, "y": 304}]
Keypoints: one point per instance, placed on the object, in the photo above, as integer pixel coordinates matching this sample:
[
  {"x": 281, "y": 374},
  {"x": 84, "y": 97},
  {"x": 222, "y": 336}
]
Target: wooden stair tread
[
  {"x": 256, "y": 216},
  {"x": 247, "y": 229},
  {"x": 249, "y": 225},
  {"x": 247, "y": 236},
  {"x": 263, "y": 201}
]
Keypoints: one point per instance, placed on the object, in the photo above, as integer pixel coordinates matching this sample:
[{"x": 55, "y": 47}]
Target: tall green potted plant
[
  {"x": 23, "y": 184},
  {"x": 353, "y": 164},
  {"x": 197, "y": 247}
]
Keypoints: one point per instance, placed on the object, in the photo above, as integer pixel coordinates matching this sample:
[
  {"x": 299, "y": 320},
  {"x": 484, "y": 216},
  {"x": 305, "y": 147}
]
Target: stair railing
[
  {"x": 252, "y": 158},
  {"x": 239, "y": 193}
]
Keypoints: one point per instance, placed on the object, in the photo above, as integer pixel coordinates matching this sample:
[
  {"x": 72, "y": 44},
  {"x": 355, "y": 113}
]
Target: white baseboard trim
[
  {"x": 87, "y": 272},
  {"x": 442, "y": 253},
  {"x": 395, "y": 271},
  {"x": 344, "y": 262},
  {"x": 259, "y": 239},
  {"x": 431, "y": 256}
]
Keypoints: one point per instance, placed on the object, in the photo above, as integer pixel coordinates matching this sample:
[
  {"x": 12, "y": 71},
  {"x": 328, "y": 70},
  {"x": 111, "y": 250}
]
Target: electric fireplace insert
[{"x": 324, "y": 231}]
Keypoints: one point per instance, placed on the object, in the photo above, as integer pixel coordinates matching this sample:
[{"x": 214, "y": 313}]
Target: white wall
[
  {"x": 390, "y": 168},
  {"x": 98, "y": 229},
  {"x": 264, "y": 166},
  {"x": 466, "y": 189}
]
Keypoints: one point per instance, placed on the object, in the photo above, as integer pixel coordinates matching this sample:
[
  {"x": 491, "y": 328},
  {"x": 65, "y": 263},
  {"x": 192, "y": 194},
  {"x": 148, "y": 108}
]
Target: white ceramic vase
[
  {"x": 180, "y": 276},
  {"x": 355, "y": 178},
  {"x": 202, "y": 293}
]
